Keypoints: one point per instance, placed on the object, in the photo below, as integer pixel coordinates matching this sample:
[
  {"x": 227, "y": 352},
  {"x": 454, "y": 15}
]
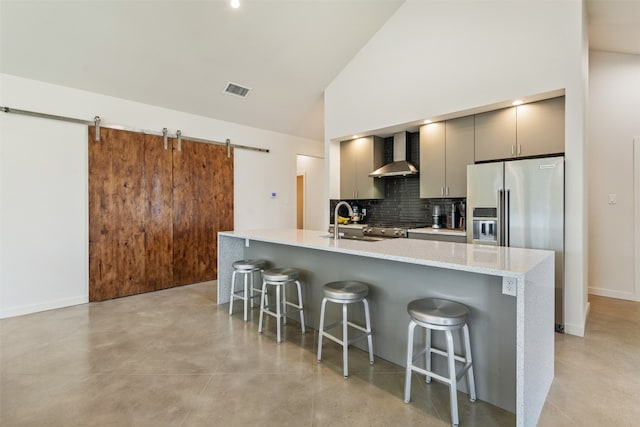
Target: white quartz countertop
[
  {"x": 440, "y": 231},
  {"x": 493, "y": 260}
]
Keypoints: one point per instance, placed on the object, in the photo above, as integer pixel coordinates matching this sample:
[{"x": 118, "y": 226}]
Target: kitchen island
[{"x": 512, "y": 337}]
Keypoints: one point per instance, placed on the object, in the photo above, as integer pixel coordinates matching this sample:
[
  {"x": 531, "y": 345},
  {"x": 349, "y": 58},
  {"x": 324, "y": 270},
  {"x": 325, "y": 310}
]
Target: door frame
[
  {"x": 636, "y": 214},
  {"x": 304, "y": 198}
]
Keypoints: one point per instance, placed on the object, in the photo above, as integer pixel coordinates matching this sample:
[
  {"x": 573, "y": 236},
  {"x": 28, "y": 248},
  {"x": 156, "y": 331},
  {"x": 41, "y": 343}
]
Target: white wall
[
  {"x": 43, "y": 192},
  {"x": 314, "y": 201},
  {"x": 438, "y": 57},
  {"x": 614, "y": 121}
]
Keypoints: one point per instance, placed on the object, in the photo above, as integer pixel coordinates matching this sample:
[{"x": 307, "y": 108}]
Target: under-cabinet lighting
[
  {"x": 356, "y": 136},
  {"x": 426, "y": 122}
]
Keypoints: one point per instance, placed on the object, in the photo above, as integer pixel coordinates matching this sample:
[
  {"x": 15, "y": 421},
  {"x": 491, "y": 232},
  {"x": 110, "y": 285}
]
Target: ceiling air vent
[{"x": 237, "y": 90}]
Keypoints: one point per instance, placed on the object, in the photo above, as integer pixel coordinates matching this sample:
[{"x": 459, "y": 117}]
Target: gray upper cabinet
[
  {"x": 541, "y": 128},
  {"x": 460, "y": 143},
  {"x": 358, "y": 158},
  {"x": 495, "y": 135},
  {"x": 446, "y": 148},
  {"x": 432, "y": 160},
  {"x": 534, "y": 129}
]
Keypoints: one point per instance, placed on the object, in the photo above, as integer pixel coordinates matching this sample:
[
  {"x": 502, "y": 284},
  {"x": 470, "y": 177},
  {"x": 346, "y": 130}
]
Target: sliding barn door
[
  {"x": 154, "y": 213},
  {"x": 202, "y": 206},
  {"x": 130, "y": 215}
]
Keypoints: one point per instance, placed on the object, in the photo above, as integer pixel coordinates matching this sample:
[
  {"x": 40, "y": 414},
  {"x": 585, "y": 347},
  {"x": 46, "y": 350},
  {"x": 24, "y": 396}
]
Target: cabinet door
[
  {"x": 432, "y": 160},
  {"x": 358, "y": 158},
  {"x": 541, "y": 127},
  {"x": 369, "y": 153},
  {"x": 459, "y": 154},
  {"x": 348, "y": 155},
  {"x": 495, "y": 134}
]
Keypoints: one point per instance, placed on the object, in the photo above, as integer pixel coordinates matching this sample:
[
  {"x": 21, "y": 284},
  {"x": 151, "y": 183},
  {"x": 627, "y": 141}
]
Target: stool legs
[
  {"x": 345, "y": 342},
  {"x": 281, "y": 306},
  {"x": 248, "y": 290},
  {"x": 453, "y": 383},
  {"x": 467, "y": 354},
  {"x": 452, "y": 379},
  {"x": 345, "y": 333},
  {"x": 367, "y": 318},
  {"x": 407, "y": 378},
  {"x": 321, "y": 331}
]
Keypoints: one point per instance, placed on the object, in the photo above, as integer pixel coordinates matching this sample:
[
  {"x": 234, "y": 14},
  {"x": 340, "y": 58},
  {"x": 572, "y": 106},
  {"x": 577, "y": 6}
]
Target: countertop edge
[{"x": 385, "y": 250}]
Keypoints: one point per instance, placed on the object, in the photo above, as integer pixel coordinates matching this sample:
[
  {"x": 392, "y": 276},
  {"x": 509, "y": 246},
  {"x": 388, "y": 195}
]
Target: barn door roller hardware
[{"x": 97, "y": 122}]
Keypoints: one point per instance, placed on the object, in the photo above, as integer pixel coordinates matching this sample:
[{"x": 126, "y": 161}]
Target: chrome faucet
[{"x": 336, "y": 233}]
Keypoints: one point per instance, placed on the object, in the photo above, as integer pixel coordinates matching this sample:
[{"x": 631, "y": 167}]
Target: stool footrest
[
  {"x": 438, "y": 352},
  {"x": 350, "y": 341}
]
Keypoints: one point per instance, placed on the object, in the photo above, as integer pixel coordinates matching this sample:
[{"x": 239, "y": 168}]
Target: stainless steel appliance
[
  {"x": 436, "y": 217},
  {"x": 520, "y": 204},
  {"x": 371, "y": 233}
]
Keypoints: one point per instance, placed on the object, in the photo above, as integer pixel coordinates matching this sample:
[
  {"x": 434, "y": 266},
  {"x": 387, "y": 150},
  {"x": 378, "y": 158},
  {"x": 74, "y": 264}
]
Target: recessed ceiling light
[
  {"x": 235, "y": 4},
  {"x": 517, "y": 102},
  {"x": 426, "y": 122}
]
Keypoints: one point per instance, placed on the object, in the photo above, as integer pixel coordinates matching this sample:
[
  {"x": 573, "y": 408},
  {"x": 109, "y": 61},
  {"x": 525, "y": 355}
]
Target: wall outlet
[{"x": 509, "y": 286}]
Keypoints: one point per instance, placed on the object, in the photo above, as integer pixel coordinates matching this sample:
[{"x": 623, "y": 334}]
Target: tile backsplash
[{"x": 402, "y": 205}]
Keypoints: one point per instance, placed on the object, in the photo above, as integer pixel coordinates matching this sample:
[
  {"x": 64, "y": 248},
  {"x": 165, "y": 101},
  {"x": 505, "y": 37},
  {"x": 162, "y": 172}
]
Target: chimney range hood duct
[{"x": 400, "y": 166}]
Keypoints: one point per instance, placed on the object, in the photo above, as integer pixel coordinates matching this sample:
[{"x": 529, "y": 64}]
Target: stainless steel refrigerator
[{"x": 520, "y": 203}]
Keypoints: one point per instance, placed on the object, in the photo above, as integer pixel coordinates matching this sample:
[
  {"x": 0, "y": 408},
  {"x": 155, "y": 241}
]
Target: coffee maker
[{"x": 437, "y": 217}]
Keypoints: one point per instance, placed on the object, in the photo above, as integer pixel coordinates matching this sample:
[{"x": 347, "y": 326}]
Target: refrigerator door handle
[
  {"x": 500, "y": 228},
  {"x": 507, "y": 218}
]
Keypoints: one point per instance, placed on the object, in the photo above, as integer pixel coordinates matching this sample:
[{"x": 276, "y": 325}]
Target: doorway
[{"x": 300, "y": 202}]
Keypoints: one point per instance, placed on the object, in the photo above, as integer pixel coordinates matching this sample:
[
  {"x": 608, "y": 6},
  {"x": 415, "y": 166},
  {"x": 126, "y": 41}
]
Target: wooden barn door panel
[
  {"x": 202, "y": 205},
  {"x": 158, "y": 165},
  {"x": 128, "y": 235}
]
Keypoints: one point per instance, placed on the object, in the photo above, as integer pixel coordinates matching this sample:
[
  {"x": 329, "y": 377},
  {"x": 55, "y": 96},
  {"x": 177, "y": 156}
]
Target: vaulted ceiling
[{"x": 181, "y": 54}]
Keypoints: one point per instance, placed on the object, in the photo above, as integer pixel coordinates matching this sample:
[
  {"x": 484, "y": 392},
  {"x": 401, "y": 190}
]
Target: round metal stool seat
[
  {"x": 435, "y": 314},
  {"x": 249, "y": 264},
  {"x": 346, "y": 290},
  {"x": 437, "y": 311},
  {"x": 281, "y": 274}
]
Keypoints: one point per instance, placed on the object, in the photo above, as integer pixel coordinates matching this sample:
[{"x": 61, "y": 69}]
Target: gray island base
[{"x": 512, "y": 337}]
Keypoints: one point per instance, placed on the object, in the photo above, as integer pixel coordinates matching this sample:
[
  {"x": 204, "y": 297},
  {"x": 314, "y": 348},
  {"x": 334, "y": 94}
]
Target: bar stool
[
  {"x": 279, "y": 278},
  {"x": 345, "y": 293},
  {"x": 247, "y": 268},
  {"x": 440, "y": 315}
]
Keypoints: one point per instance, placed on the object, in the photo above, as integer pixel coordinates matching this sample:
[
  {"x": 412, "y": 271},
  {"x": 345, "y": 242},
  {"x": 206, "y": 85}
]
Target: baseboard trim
[
  {"x": 612, "y": 294},
  {"x": 43, "y": 306}
]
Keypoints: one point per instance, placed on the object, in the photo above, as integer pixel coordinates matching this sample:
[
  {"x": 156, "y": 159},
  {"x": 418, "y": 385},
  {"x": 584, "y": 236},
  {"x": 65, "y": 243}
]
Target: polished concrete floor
[{"x": 175, "y": 358}]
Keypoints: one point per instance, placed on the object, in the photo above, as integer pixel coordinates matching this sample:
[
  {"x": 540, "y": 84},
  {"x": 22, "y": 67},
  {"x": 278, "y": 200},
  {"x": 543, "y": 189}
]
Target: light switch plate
[{"x": 612, "y": 199}]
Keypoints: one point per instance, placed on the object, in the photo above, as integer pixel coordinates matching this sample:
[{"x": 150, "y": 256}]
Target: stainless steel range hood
[{"x": 400, "y": 166}]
